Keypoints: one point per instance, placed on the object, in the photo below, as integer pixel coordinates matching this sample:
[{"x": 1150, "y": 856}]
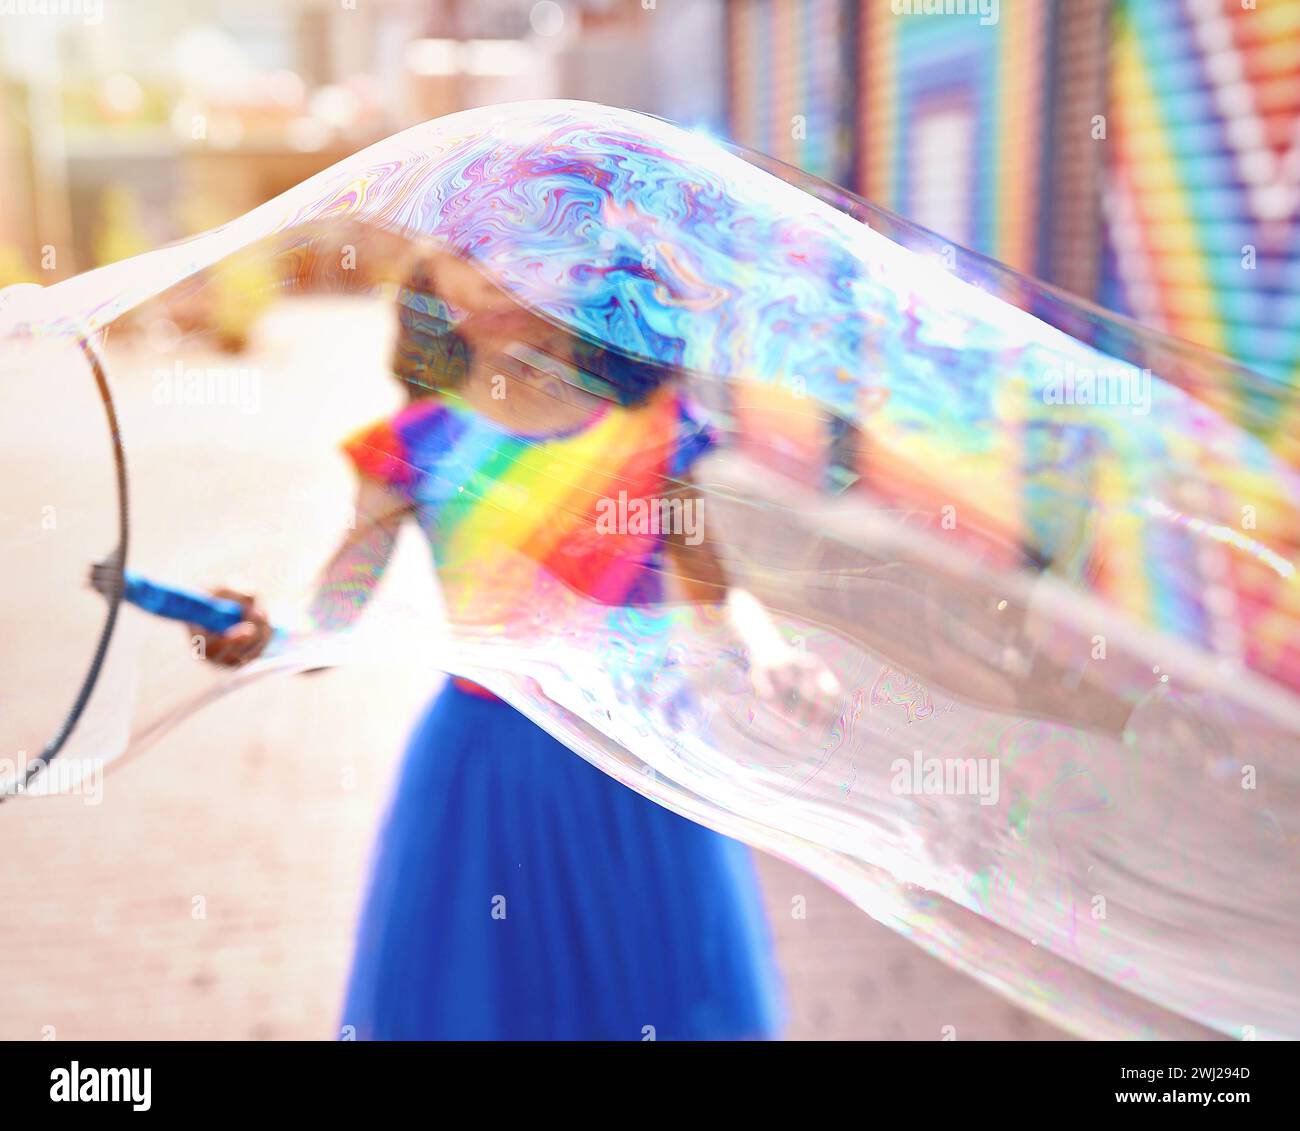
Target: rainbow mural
[
  {"x": 952, "y": 122},
  {"x": 790, "y": 94},
  {"x": 1202, "y": 199}
]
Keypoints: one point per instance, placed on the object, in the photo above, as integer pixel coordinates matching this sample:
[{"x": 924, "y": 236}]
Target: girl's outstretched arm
[
  {"x": 794, "y": 681},
  {"x": 342, "y": 589},
  {"x": 355, "y": 569}
]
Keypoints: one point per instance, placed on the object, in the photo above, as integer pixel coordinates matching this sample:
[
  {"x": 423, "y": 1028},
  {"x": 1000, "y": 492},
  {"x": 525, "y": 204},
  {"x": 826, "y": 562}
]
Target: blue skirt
[{"x": 519, "y": 893}]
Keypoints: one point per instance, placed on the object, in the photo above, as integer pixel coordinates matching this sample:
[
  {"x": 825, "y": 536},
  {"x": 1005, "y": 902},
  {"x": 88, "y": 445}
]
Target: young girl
[{"x": 518, "y": 892}]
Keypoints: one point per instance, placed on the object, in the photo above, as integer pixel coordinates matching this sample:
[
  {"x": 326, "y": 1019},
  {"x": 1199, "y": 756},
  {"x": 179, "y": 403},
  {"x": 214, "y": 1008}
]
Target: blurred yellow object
[
  {"x": 237, "y": 294},
  {"x": 120, "y": 233},
  {"x": 241, "y": 291},
  {"x": 13, "y": 267}
]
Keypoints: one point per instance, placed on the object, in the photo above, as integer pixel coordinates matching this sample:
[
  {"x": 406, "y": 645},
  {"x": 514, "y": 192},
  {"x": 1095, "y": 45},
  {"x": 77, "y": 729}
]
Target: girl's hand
[
  {"x": 244, "y": 642},
  {"x": 795, "y": 683}
]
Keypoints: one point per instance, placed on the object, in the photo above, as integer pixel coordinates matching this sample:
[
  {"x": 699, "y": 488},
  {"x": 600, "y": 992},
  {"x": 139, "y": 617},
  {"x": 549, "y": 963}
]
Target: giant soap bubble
[{"x": 1047, "y": 558}]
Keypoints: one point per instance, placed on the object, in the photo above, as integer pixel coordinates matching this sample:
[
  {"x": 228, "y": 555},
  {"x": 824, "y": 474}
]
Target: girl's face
[
  {"x": 530, "y": 375},
  {"x": 521, "y": 371}
]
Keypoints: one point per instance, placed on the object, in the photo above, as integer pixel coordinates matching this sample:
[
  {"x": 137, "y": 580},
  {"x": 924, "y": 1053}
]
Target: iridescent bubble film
[{"x": 972, "y": 599}]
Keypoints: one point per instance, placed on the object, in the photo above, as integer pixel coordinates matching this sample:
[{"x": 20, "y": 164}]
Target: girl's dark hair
[
  {"x": 429, "y": 354},
  {"x": 630, "y": 380}
]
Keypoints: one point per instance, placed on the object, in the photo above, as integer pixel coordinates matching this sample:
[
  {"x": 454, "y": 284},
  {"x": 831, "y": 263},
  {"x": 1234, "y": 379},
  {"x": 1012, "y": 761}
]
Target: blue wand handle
[{"x": 216, "y": 614}]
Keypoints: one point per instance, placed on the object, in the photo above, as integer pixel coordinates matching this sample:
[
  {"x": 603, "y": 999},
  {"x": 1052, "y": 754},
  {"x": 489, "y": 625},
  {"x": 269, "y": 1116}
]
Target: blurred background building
[{"x": 124, "y": 125}]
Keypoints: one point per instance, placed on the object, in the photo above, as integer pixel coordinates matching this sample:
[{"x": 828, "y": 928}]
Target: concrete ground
[{"x": 212, "y": 892}]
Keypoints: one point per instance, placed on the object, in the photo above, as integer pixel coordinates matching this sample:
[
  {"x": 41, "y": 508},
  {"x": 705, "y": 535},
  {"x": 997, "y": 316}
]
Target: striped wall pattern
[
  {"x": 790, "y": 91},
  {"x": 1202, "y": 194},
  {"x": 952, "y": 122}
]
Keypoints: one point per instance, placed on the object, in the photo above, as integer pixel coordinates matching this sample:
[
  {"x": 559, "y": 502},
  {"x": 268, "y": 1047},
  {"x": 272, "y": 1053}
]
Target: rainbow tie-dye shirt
[{"x": 509, "y": 515}]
